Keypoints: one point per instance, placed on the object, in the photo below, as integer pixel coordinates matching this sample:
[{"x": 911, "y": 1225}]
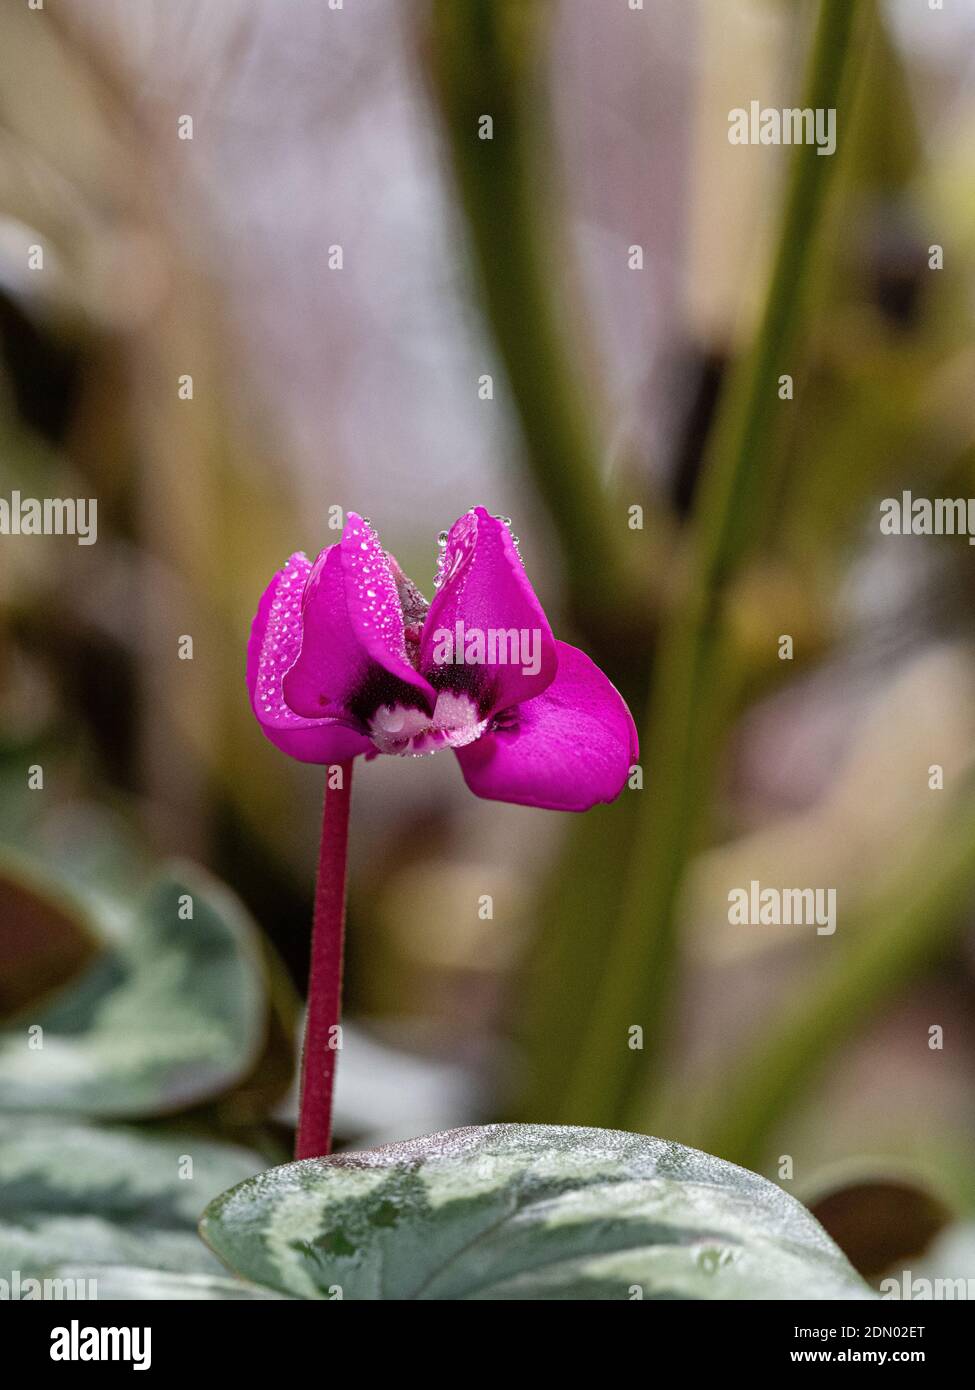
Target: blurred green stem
[
  {"x": 896, "y": 936},
  {"x": 695, "y": 681},
  {"x": 485, "y": 60}
]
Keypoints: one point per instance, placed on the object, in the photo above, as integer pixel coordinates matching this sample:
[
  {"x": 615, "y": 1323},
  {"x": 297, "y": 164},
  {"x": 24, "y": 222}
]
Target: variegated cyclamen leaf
[
  {"x": 127, "y": 1283},
  {"x": 526, "y": 1212},
  {"x": 91, "y": 1195},
  {"x": 169, "y": 1014}
]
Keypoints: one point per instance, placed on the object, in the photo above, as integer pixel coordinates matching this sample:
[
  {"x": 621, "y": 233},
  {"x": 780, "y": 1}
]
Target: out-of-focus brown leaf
[
  {"x": 881, "y": 1222},
  {"x": 44, "y": 941}
]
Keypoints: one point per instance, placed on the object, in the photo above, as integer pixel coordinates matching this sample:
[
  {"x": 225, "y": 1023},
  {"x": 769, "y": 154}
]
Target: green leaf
[
  {"x": 172, "y": 1013},
  {"x": 88, "y": 1195},
  {"x": 525, "y": 1212}
]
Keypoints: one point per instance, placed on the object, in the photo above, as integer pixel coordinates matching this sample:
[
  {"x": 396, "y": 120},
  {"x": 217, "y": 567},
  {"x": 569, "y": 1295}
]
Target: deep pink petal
[
  {"x": 567, "y": 749},
  {"x": 273, "y": 645},
  {"x": 484, "y": 587},
  {"x": 353, "y": 645}
]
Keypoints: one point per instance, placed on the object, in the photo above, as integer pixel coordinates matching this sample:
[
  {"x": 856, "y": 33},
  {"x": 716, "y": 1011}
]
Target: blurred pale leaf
[
  {"x": 951, "y": 1257},
  {"x": 85, "y": 1195},
  {"x": 171, "y": 1015}
]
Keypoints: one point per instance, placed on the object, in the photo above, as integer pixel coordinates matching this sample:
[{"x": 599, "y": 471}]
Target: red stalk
[{"x": 314, "y": 1138}]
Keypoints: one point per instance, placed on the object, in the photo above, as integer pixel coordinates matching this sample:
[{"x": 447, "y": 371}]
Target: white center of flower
[{"x": 455, "y": 723}]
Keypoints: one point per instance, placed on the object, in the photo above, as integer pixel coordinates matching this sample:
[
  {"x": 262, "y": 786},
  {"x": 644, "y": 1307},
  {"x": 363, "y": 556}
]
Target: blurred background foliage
[{"x": 613, "y": 388}]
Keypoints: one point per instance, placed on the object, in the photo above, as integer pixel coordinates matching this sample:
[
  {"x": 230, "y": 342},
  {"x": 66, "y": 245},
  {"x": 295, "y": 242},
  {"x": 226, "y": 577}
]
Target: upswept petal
[
  {"x": 273, "y": 645},
  {"x": 483, "y": 586},
  {"x": 353, "y": 647}
]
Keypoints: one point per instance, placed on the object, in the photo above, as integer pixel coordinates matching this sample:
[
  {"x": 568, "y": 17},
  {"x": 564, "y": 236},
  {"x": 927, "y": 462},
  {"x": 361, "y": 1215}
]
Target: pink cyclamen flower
[{"x": 347, "y": 657}]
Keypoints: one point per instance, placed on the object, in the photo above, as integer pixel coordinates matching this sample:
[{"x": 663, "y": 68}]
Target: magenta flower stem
[{"x": 314, "y": 1138}]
